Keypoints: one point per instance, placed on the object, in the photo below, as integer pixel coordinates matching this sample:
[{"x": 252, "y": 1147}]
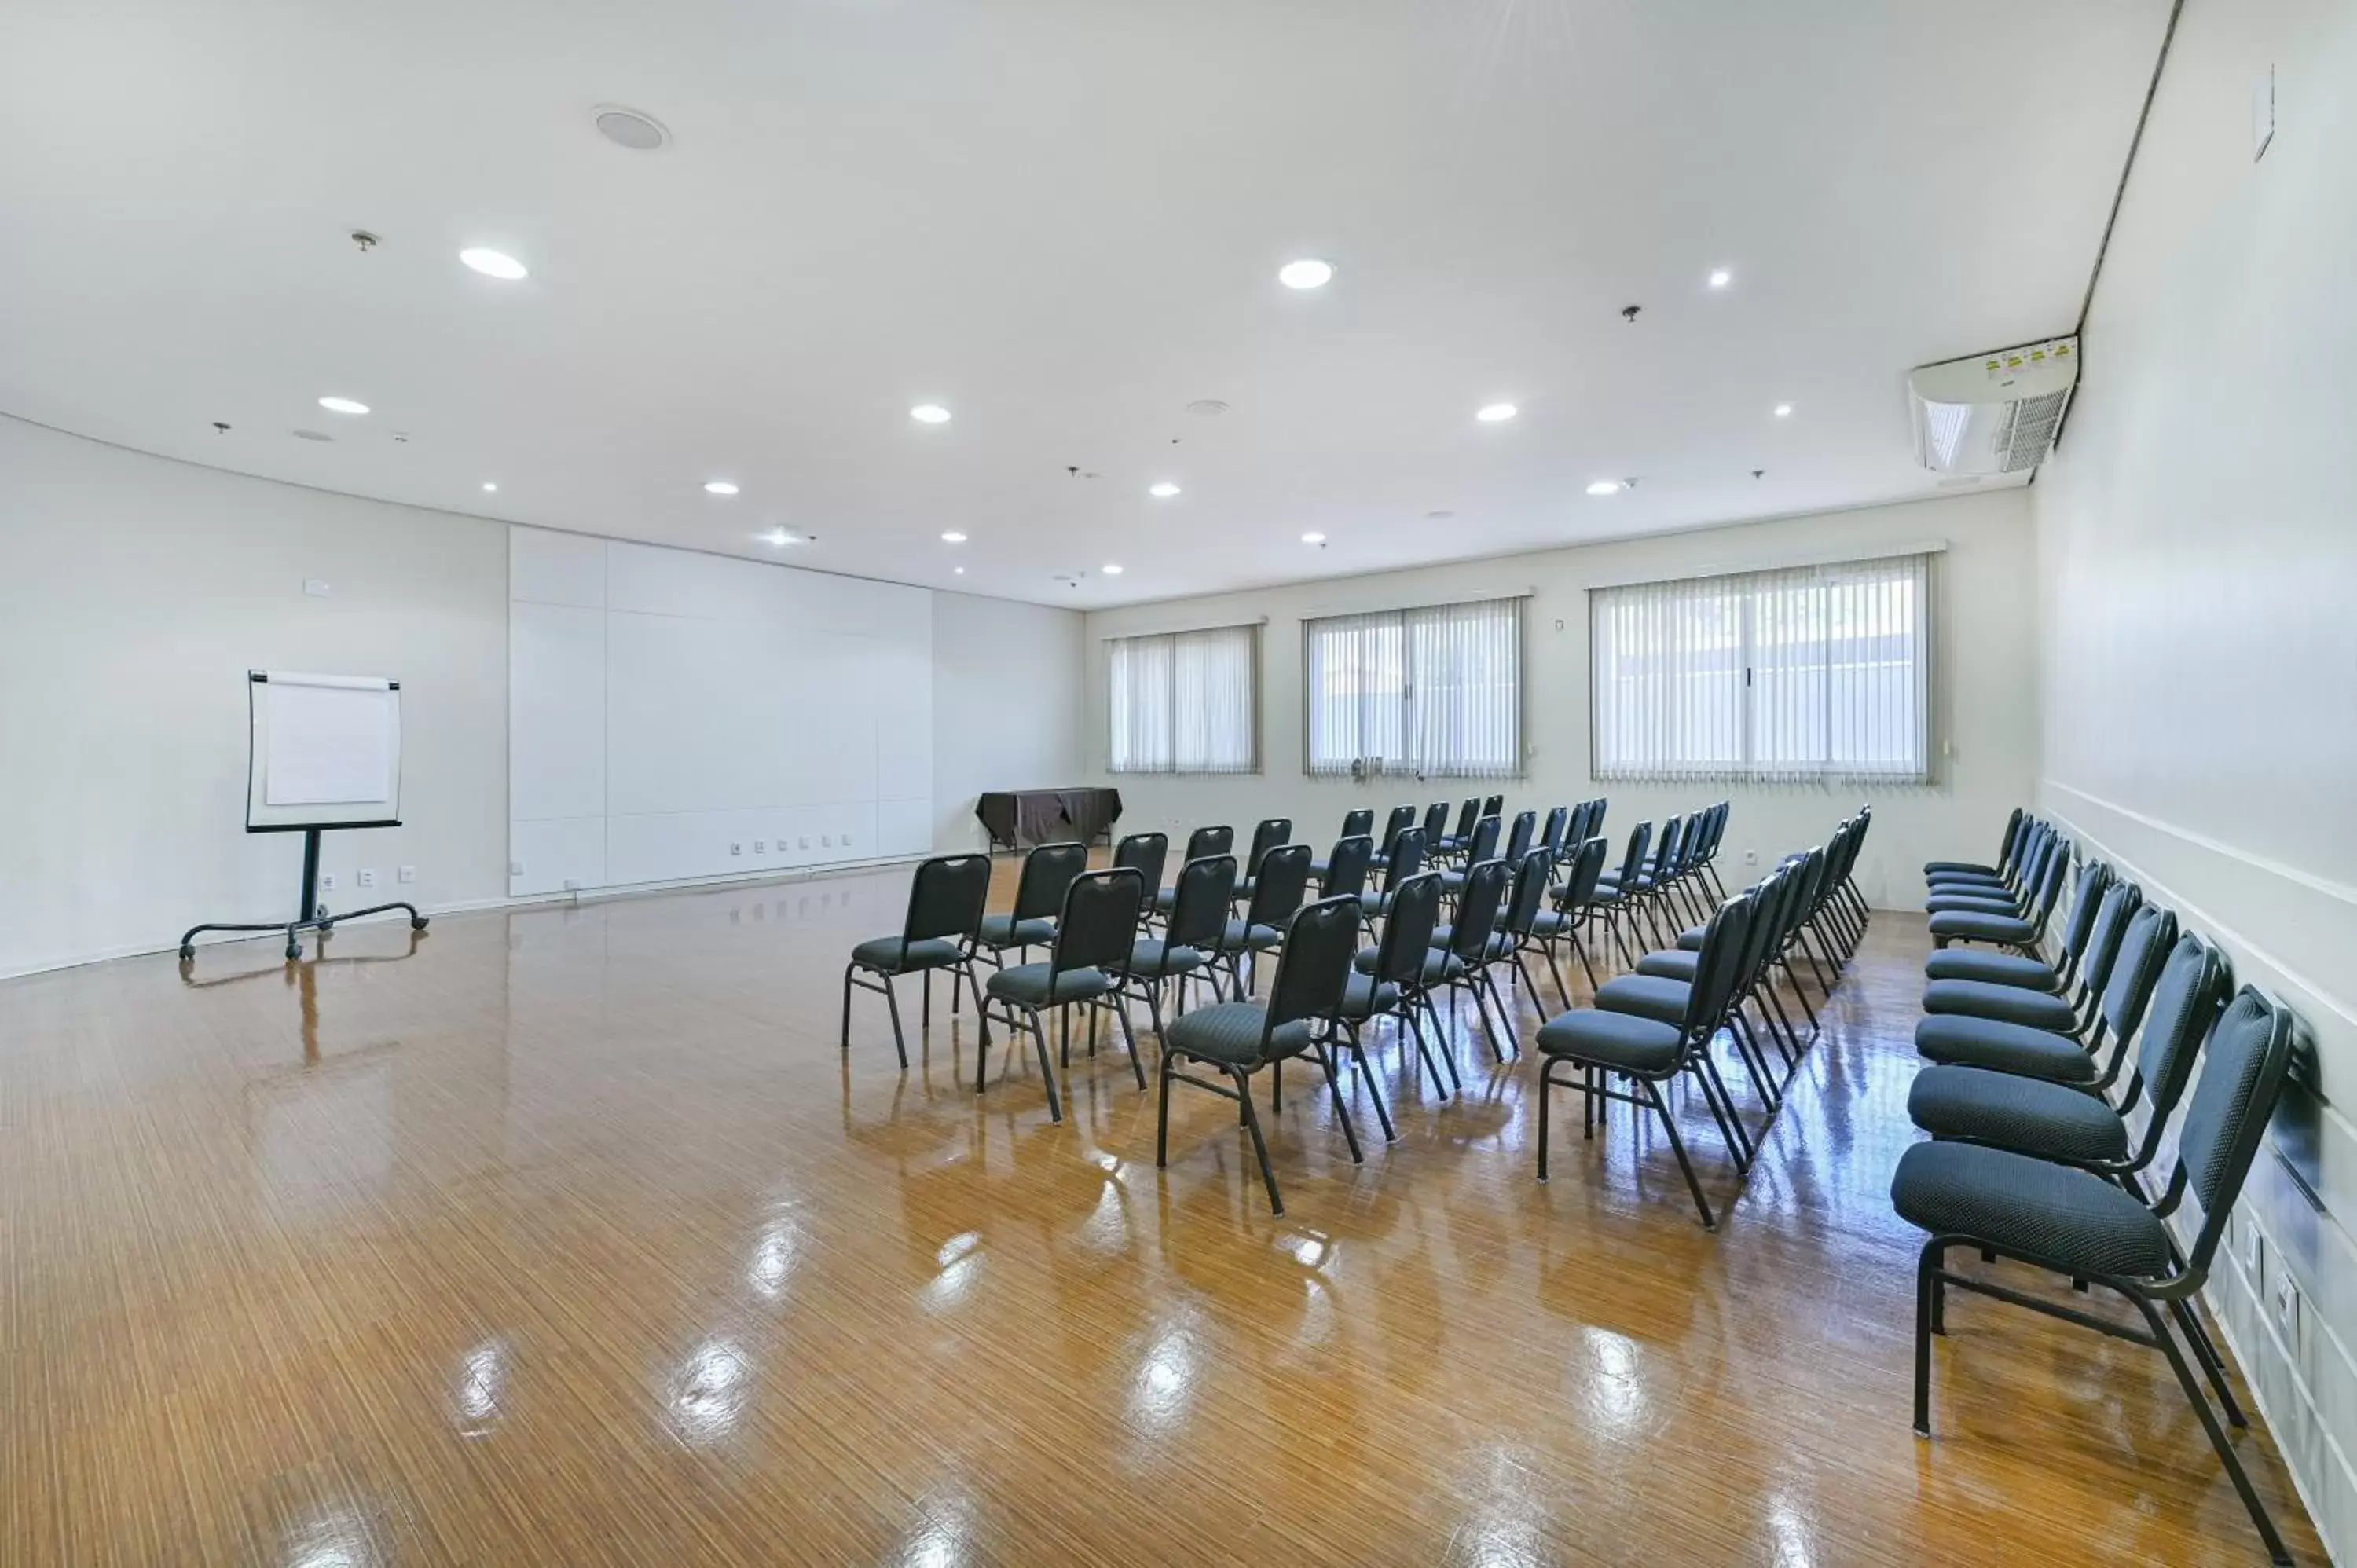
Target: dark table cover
[{"x": 1023, "y": 817}]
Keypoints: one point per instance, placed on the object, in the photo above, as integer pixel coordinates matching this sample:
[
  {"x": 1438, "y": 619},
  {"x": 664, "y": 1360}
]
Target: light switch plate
[
  {"x": 515, "y": 868},
  {"x": 736, "y": 848},
  {"x": 326, "y": 882},
  {"x": 760, "y": 846},
  {"x": 408, "y": 874}
]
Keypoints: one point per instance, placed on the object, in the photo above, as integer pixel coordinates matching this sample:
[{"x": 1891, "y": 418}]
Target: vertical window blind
[
  {"x": 1185, "y": 702},
  {"x": 1815, "y": 673},
  {"x": 1434, "y": 691}
]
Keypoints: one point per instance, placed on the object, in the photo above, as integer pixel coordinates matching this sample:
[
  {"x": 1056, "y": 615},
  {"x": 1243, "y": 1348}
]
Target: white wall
[
  {"x": 1986, "y": 706},
  {"x": 1008, "y": 690},
  {"x": 2197, "y": 549},
  {"x": 134, "y": 593}
]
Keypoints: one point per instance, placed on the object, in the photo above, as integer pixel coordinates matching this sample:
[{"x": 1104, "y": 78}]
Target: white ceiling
[{"x": 1062, "y": 219}]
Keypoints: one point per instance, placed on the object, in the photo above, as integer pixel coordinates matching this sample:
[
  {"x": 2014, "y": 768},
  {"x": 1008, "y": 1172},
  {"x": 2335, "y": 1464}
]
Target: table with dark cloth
[{"x": 1018, "y": 818}]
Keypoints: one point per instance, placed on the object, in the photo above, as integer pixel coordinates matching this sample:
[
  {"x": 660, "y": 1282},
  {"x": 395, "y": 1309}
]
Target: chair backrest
[
  {"x": 2119, "y": 902},
  {"x": 1483, "y": 844},
  {"x": 1047, "y": 872},
  {"x": 1283, "y": 882},
  {"x": 1436, "y": 825},
  {"x": 1714, "y": 829},
  {"x": 2012, "y": 841},
  {"x": 1640, "y": 838},
  {"x": 1346, "y": 868},
  {"x": 1402, "y": 819},
  {"x": 1416, "y": 911},
  {"x": 1529, "y": 896},
  {"x": 2152, "y": 931},
  {"x": 1477, "y": 904},
  {"x": 2049, "y": 882},
  {"x": 946, "y": 898},
  {"x": 1407, "y": 859},
  {"x": 1145, "y": 853},
  {"x": 1592, "y": 824},
  {"x": 1493, "y": 806},
  {"x": 1099, "y": 923},
  {"x": 1315, "y": 967},
  {"x": 1204, "y": 843},
  {"x": 1518, "y": 841},
  {"x": 1558, "y": 823},
  {"x": 2086, "y": 898},
  {"x": 1665, "y": 851},
  {"x": 1724, "y": 941},
  {"x": 1467, "y": 815},
  {"x": 1265, "y": 837},
  {"x": 1770, "y": 900},
  {"x": 1199, "y": 907},
  {"x": 1359, "y": 824},
  {"x": 2193, "y": 986},
  {"x": 2243, "y": 1069},
  {"x": 1587, "y": 869}
]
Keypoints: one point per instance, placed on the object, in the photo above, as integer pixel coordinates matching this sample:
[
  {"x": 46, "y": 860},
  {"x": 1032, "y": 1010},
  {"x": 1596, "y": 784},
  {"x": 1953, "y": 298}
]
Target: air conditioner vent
[{"x": 1994, "y": 414}]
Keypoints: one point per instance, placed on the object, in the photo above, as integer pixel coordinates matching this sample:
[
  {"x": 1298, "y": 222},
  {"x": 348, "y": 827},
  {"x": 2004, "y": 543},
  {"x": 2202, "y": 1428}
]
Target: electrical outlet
[
  {"x": 366, "y": 876},
  {"x": 806, "y": 840},
  {"x": 1750, "y": 858},
  {"x": 760, "y": 846},
  {"x": 515, "y": 868},
  {"x": 407, "y": 873},
  {"x": 736, "y": 848},
  {"x": 847, "y": 840},
  {"x": 826, "y": 840},
  {"x": 326, "y": 882}
]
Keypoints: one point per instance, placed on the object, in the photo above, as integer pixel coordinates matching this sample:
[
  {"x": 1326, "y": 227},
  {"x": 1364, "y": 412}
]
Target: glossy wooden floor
[{"x": 571, "y": 1236}]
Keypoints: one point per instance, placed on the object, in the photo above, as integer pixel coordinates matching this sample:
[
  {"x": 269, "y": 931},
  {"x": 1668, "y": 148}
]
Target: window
[
  {"x": 1186, "y": 702},
  {"x": 1435, "y": 691},
  {"x": 1817, "y": 673}
]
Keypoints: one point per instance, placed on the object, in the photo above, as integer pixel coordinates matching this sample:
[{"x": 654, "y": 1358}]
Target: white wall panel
[
  {"x": 550, "y": 568},
  {"x": 556, "y": 712},
  {"x": 554, "y": 852}
]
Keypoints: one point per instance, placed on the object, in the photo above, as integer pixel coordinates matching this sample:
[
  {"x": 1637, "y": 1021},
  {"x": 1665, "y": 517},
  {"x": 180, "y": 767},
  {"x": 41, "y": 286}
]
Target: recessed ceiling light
[
  {"x": 959, "y": 570},
  {"x": 1783, "y": 411},
  {"x": 778, "y": 537},
  {"x": 954, "y": 537},
  {"x": 493, "y": 264},
  {"x": 1307, "y": 273},
  {"x": 1313, "y": 539},
  {"x": 1111, "y": 570},
  {"x": 1604, "y": 487},
  {"x": 1165, "y": 491},
  {"x": 490, "y": 486},
  {"x": 342, "y": 405},
  {"x": 1497, "y": 412},
  {"x": 719, "y": 488},
  {"x": 1720, "y": 277},
  {"x": 930, "y": 413}
]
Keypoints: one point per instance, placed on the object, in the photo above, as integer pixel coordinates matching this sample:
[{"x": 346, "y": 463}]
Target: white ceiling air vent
[{"x": 1992, "y": 413}]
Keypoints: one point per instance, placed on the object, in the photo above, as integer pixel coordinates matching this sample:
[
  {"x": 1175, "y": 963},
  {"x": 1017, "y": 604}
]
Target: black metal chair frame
[
  {"x": 855, "y": 973},
  {"x": 1028, "y": 1021}
]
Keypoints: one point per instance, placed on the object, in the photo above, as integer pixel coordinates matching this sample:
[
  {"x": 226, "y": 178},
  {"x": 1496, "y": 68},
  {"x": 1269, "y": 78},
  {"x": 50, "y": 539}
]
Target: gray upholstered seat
[
  {"x": 1007, "y": 931},
  {"x": 1496, "y": 948},
  {"x": 1690, "y": 940},
  {"x": 1552, "y": 923},
  {"x": 1934, "y": 868},
  {"x": 2070, "y": 1218},
  {"x": 1365, "y": 997},
  {"x": 1976, "y": 926},
  {"x": 1676, "y": 963},
  {"x": 1242, "y": 936},
  {"x": 1165, "y": 901},
  {"x": 2049, "y": 1121},
  {"x": 2005, "y": 1048},
  {"x": 1150, "y": 958},
  {"x": 1440, "y": 966},
  {"x": 2013, "y": 1004},
  {"x": 884, "y": 956},
  {"x": 1621, "y": 1040},
  {"x": 1943, "y": 901},
  {"x": 1230, "y": 1032},
  {"x": 1991, "y": 969},
  {"x": 1030, "y": 984},
  {"x": 1646, "y": 995}
]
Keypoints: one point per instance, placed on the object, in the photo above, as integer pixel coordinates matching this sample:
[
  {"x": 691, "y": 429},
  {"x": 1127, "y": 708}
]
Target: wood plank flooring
[{"x": 571, "y": 1236}]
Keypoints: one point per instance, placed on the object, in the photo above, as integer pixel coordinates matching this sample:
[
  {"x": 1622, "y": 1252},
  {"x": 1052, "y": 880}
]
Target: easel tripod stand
[{"x": 310, "y": 915}]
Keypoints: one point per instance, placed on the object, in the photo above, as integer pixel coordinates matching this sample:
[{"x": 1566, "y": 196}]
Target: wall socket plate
[
  {"x": 365, "y": 876},
  {"x": 736, "y": 848},
  {"x": 2286, "y": 1297},
  {"x": 515, "y": 868},
  {"x": 326, "y": 882},
  {"x": 407, "y": 873},
  {"x": 760, "y": 846}
]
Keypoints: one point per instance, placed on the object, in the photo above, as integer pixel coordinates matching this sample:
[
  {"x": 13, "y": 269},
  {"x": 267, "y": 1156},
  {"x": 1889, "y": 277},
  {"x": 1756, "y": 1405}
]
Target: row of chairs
[
  {"x": 2039, "y": 1072},
  {"x": 1659, "y": 1024}
]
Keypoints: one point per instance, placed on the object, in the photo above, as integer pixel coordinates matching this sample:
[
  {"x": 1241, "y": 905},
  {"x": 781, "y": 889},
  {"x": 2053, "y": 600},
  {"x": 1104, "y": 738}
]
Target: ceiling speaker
[{"x": 629, "y": 128}]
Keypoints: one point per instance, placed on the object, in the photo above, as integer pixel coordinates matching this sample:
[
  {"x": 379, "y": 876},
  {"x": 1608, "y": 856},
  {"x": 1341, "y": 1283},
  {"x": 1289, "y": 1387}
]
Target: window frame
[
  {"x": 1517, "y": 768},
  {"x": 1251, "y": 630}
]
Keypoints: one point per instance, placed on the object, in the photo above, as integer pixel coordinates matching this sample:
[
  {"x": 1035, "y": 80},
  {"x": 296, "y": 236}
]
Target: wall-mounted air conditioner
[{"x": 1992, "y": 413}]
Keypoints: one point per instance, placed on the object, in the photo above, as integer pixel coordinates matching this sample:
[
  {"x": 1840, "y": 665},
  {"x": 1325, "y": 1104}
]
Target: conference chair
[
  {"x": 1436, "y": 831},
  {"x": 1598, "y": 1044},
  {"x": 1480, "y": 844},
  {"x": 945, "y": 904},
  {"x": 1048, "y": 871},
  {"x": 1199, "y": 913},
  {"x": 1145, "y": 853},
  {"x": 2005, "y": 853},
  {"x": 2027, "y": 972},
  {"x": 1239, "y": 1038},
  {"x": 1402, "y": 819},
  {"x": 1519, "y": 837},
  {"x": 1355, "y": 824},
  {"x": 1283, "y": 883},
  {"x": 1493, "y": 806},
  {"x": 2039, "y": 1005},
  {"x": 2022, "y": 933},
  {"x": 1406, "y": 861},
  {"x": 1610, "y": 897},
  {"x": 1345, "y": 875},
  {"x": 2081, "y": 1226},
  {"x": 1095, "y": 931},
  {"x": 1518, "y": 919},
  {"x": 2127, "y": 982},
  {"x": 1271, "y": 832},
  {"x": 1471, "y": 942},
  {"x": 1451, "y": 844},
  {"x": 1558, "y": 823},
  {"x": 1574, "y": 905},
  {"x": 1394, "y": 982},
  {"x": 1202, "y": 844},
  {"x": 1661, "y": 985}
]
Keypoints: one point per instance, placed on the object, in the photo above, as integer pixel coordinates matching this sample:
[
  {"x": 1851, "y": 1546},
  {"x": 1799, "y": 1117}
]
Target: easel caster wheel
[
  {"x": 294, "y": 952},
  {"x": 418, "y": 924},
  {"x": 188, "y": 954}
]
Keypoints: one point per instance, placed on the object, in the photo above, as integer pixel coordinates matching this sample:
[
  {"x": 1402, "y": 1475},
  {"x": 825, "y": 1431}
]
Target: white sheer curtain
[
  {"x": 1434, "y": 691},
  {"x": 1184, "y": 701},
  {"x": 1815, "y": 673}
]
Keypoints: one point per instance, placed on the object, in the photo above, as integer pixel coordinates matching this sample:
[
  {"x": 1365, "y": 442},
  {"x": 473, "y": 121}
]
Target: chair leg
[
  {"x": 1260, "y": 1144},
  {"x": 892, "y": 1000},
  {"x": 2276, "y": 1549},
  {"x": 1546, "y": 1083},
  {"x": 1334, "y": 1091},
  {"x": 1064, "y": 1036},
  {"x": 1927, "y": 1286},
  {"x": 1423, "y": 1051},
  {"x": 2207, "y": 1354},
  {"x": 925, "y": 1013},
  {"x": 1046, "y": 1067},
  {"x": 1154, "y": 1007},
  {"x": 981, "y": 1013},
  {"x": 1367, "y": 1079},
  {"x": 1678, "y": 1148},
  {"x": 1554, "y": 968},
  {"x": 1162, "y": 1118},
  {"x": 848, "y": 970},
  {"x": 1128, "y": 1038}
]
